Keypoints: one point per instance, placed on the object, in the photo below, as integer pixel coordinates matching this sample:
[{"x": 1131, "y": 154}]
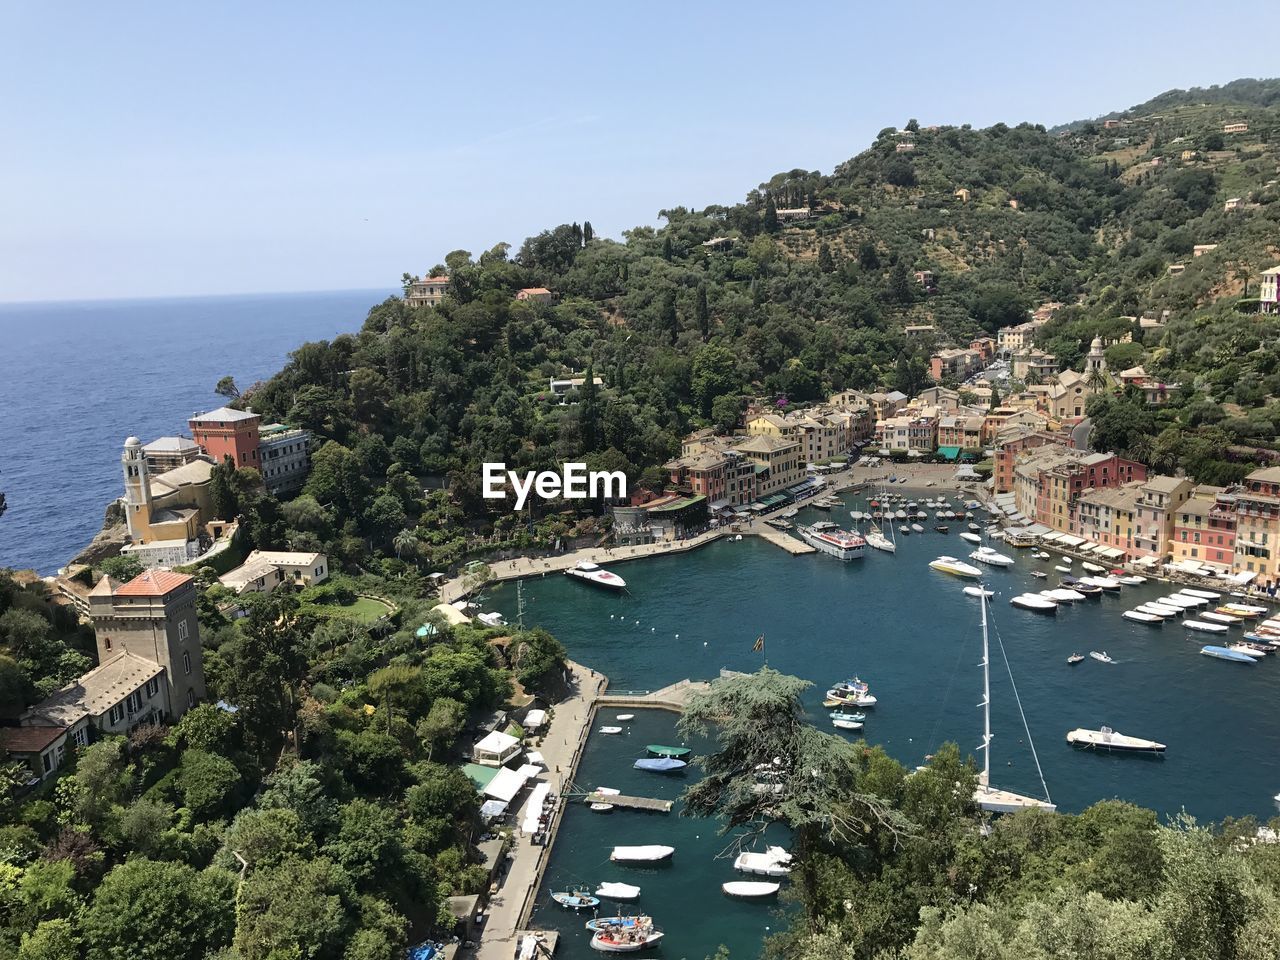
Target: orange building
[{"x": 228, "y": 433}]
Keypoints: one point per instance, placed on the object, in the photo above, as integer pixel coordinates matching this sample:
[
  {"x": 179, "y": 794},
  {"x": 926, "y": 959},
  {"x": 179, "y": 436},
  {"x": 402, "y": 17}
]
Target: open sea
[
  {"x": 916, "y": 638},
  {"x": 76, "y": 378}
]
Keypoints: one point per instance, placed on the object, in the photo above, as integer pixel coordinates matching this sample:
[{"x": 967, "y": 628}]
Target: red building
[{"x": 228, "y": 433}]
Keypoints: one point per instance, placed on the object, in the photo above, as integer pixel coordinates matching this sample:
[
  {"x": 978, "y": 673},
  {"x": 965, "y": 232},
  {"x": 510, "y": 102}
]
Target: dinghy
[
  {"x": 1213, "y": 617},
  {"x": 623, "y": 717},
  {"x": 660, "y": 750},
  {"x": 750, "y": 889},
  {"x": 610, "y": 729},
  {"x": 599, "y": 806},
  {"x": 845, "y": 724},
  {"x": 971, "y": 537}
]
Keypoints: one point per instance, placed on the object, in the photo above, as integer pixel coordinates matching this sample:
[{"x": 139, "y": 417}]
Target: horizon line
[{"x": 185, "y": 296}]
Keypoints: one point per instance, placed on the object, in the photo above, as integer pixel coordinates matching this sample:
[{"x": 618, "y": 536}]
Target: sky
[{"x": 164, "y": 149}]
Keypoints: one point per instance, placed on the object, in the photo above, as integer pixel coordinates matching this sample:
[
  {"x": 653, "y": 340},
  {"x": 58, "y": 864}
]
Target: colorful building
[
  {"x": 228, "y": 433},
  {"x": 1257, "y": 546},
  {"x": 1204, "y": 527}
]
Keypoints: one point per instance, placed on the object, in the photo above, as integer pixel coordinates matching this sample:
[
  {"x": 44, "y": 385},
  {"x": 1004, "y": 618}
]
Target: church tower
[
  {"x": 1097, "y": 359},
  {"x": 137, "y": 490}
]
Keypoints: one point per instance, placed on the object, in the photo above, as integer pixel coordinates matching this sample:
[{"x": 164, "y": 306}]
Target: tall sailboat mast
[{"x": 986, "y": 692}]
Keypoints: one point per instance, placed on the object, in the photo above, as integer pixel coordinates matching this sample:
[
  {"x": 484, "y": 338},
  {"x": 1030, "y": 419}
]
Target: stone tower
[
  {"x": 137, "y": 490},
  {"x": 1097, "y": 359}
]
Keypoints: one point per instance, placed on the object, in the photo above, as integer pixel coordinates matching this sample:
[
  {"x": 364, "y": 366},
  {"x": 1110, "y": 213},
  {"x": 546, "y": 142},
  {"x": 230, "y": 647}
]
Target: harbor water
[{"x": 916, "y": 638}]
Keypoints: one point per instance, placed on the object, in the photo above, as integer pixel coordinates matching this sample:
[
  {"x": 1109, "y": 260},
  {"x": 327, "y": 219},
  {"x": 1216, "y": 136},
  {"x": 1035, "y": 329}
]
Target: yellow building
[
  {"x": 164, "y": 514},
  {"x": 1257, "y": 547}
]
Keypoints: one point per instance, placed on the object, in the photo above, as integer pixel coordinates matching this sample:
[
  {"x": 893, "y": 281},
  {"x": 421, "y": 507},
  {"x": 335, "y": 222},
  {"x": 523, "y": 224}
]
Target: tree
[
  {"x": 589, "y": 411},
  {"x": 703, "y": 312},
  {"x": 899, "y": 289},
  {"x": 770, "y": 219},
  {"x": 51, "y": 940},
  {"x": 298, "y": 909},
  {"x": 899, "y": 172},
  {"x": 145, "y": 910},
  {"x": 442, "y": 724},
  {"x": 405, "y": 542},
  {"x": 392, "y": 683},
  {"x": 267, "y": 838},
  {"x": 536, "y": 655},
  {"x": 714, "y": 374},
  {"x": 226, "y": 387},
  {"x": 221, "y": 491},
  {"x": 207, "y": 782},
  {"x": 587, "y": 233},
  {"x": 668, "y": 319},
  {"x": 826, "y": 263},
  {"x": 367, "y": 844},
  {"x": 123, "y": 567},
  {"x": 726, "y": 411}
]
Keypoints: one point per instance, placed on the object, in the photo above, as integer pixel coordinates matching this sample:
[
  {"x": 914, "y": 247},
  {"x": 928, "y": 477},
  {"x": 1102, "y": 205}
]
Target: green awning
[{"x": 949, "y": 452}]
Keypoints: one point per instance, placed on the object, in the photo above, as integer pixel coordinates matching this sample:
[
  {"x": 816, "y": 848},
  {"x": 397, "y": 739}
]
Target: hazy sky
[{"x": 152, "y": 149}]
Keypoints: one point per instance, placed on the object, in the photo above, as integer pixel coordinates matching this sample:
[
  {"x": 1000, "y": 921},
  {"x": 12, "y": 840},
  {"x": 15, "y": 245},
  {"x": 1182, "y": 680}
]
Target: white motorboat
[
  {"x": 651, "y": 853},
  {"x": 1093, "y": 567},
  {"x": 1041, "y": 555},
  {"x": 991, "y": 557},
  {"x": 916, "y": 528},
  {"x": 1106, "y": 583},
  {"x": 750, "y": 889},
  {"x": 1063, "y": 595},
  {"x": 1032, "y": 601},
  {"x": 1039, "y": 574},
  {"x": 1173, "y": 600},
  {"x": 1202, "y": 627},
  {"x": 1132, "y": 581},
  {"x": 955, "y": 567},
  {"x": 1159, "y": 610},
  {"x": 978, "y": 592},
  {"x": 971, "y": 537},
  {"x": 1062, "y": 568},
  {"x": 841, "y": 544},
  {"x": 974, "y": 528},
  {"x": 630, "y": 935},
  {"x": 610, "y": 729},
  {"x": 596, "y": 575},
  {"x": 1101, "y": 656},
  {"x": 618, "y": 891},
  {"x": 1150, "y": 619},
  {"x": 843, "y": 724},
  {"x": 1205, "y": 594},
  {"x": 1248, "y": 649},
  {"x": 1195, "y": 601},
  {"x": 492, "y": 619},
  {"x": 1213, "y": 617},
  {"x": 1107, "y": 739},
  {"x": 774, "y": 862},
  {"x": 624, "y": 717},
  {"x": 1065, "y": 559}
]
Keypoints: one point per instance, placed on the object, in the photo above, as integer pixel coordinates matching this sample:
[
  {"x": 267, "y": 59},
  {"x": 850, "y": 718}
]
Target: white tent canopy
[
  {"x": 533, "y": 809},
  {"x": 534, "y": 719},
  {"x": 507, "y": 784}
]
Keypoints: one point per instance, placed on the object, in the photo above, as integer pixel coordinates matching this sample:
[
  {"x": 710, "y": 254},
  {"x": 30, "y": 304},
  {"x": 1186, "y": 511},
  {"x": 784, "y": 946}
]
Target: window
[
  {"x": 133, "y": 702},
  {"x": 107, "y": 643},
  {"x": 81, "y": 736},
  {"x": 186, "y": 661},
  {"x": 152, "y": 686},
  {"x": 191, "y": 698},
  {"x": 115, "y": 714},
  {"x": 182, "y": 630}
]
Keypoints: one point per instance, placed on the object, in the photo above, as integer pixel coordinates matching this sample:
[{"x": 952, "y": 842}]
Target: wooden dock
[
  {"x": 647, "y": 804},
  {"x": 780, "y": 539}
]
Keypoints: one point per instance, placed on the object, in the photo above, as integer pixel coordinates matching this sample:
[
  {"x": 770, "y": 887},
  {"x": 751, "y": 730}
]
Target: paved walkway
[{"x": 561, "y": 747}]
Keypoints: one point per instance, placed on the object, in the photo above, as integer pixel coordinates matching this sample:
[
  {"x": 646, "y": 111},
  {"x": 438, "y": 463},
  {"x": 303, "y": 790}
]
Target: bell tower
[
  {"x": 137, "y": 490},
  {"x": 1097, "y": 359}
]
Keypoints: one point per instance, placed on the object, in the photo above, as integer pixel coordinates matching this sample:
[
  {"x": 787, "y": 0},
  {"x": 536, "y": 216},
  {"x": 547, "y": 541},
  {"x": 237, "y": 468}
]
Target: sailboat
[{"x": 990, "y": 798}]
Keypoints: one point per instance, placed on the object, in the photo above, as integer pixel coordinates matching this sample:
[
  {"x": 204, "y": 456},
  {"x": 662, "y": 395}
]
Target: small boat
[
  {"x": 602, "y": 923},
  {"x": 1214, "y": 617},
  {"x": 651, "y": 853},
  {"x": 1065, "y": 559},
  {"x": 1150, "y": 619},
  {"x": 1249, "y": 649},
  {"x": 1092, "y": 567},
  {"x": 878, "y": 541},
  {"x": 1106, "y": 583},
  {"x": 602, "y": 807},
  {"x": 624, "y": 717},
  {"x": 774, "y": 862},
  {"x": 1243, "y": 611},
  {"x": 750, "y": 889},
  {"x": 1075, "y": 658},
  {"x": 1226, "y": 653},
  {"x": 610, "y": 729},
  {"x": 971, "y": 537},
  {"x": 1039, "y": 574},
  {"x": 846, "y": 724},
  {"x": 916, "y": 528},
  {"x": 596, "y": 575},
  {"x": 1131, "y": 581},
  {"x": 575, "y": 900},
  {"x": 660, "y": 764},
  {"x": 1082, "y": 588},
  {"x": 1062, "y": 568},
  {"x": 974, "y": 528},
  {"x": 1101, "y": 656},
  {"x": 661, "y": 750},
  {"x": 1205, "y": 594},
  {"x": 955, "y": 567},
  {"x": 1204, "y": 627},
  {"x": 1184, "y": 603},
  {"x": 851, "y": 717},
  {"x": 1107, "y": 739},
  {"x": 991, "y": 557},
  {"x": 618, "y": 891},
  {"x": 1062, "y": 595},
  {"x": 1156, "y": 610},
  {"x": 627, "y": 938},
  {"x": 492, "y": 619},
  {"x": 905, "y": 531},
  {"x": 942, "y": 528},
  {"x": 1194, "y": 601},
  {"x": 978, "y": 592},
  {"x": 1041, "y": 555},
  {"x": 1035, "y": 602}
]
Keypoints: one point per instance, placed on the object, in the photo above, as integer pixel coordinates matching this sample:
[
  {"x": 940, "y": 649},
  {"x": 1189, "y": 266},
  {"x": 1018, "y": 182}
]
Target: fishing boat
[
  {"x": 600, "y": 806},
  {"x": 978, "y": 592},
  {"x": 989, "y": 798},
  {"x": 610, "y": 729},
  {"x": 1214, "y": 617},
  {"x": 1243, "y": 611},
  {"x": 774, "y": 862},
  {"x": 662, "y": 750},
  {"x": 1075, "y": 658},
  {"x": 955, "y": 567},
  {"x": 1101, "y": 656},
  {"x": 845, "y": 724},
  {"x": 1107, "y": 739},
  {"x": 1150, "y": 619},
  {"x": 627, "y": 938},
  {"x": 841, "y": 544},
  {"x": 750, "y": 889},
  {"x": 1039, "y": 574},
  {"x": 991, "y": 557},
  {"x": 1034, "y": 602},
  {"x": 650, "y": 853},
  {"x": 660, "y": 764},
  {"x": 618, "y": 891},
  {"x": 971, "y": 537},
  {"x": 575, "y": 900},
  {"x": 1202, "y": 627},
  {"x": 601, "y": 923},
  {"x": 852, "y": 692},
  {"x": 596, "y": 575}
]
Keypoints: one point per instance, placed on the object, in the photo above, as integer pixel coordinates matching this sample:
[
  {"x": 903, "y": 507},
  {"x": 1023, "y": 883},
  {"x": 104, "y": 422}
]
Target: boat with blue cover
[
  {"x": 1226, "y": 653},
  {"x": 660, "y": 764}
]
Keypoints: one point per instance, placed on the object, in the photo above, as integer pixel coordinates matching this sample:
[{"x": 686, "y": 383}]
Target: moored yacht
[
  {"x": 596, "y": 575},
  {"x": 991, "y": 557},
  {"x": 955, "y": 567},
  {"x": 1107, "y": 739},
  {"x": 1035, "y": 602},
  {"x": 841, "y": 544}
]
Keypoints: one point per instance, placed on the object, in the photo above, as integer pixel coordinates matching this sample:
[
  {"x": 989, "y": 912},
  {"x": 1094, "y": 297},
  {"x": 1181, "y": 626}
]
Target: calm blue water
[
  {"x": 77, "y": 378},
  {"x": 916, "y": 638}
]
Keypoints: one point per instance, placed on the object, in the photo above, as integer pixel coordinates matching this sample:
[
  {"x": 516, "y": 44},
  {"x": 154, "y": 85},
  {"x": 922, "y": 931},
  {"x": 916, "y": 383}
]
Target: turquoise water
[{"x": 916, "y": 638}]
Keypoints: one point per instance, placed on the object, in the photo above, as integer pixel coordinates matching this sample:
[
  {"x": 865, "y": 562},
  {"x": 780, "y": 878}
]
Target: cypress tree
[
  {"x": 770, "y": 215},
  {"x": 704, "y": 313}
]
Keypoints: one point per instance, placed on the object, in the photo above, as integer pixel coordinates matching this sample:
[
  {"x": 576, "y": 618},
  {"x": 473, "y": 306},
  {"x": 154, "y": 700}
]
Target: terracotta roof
[
  {"x": 535, "y": 290},
  {"x": 29, "y": 739},
  {"x": 153, "y": 583}
]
